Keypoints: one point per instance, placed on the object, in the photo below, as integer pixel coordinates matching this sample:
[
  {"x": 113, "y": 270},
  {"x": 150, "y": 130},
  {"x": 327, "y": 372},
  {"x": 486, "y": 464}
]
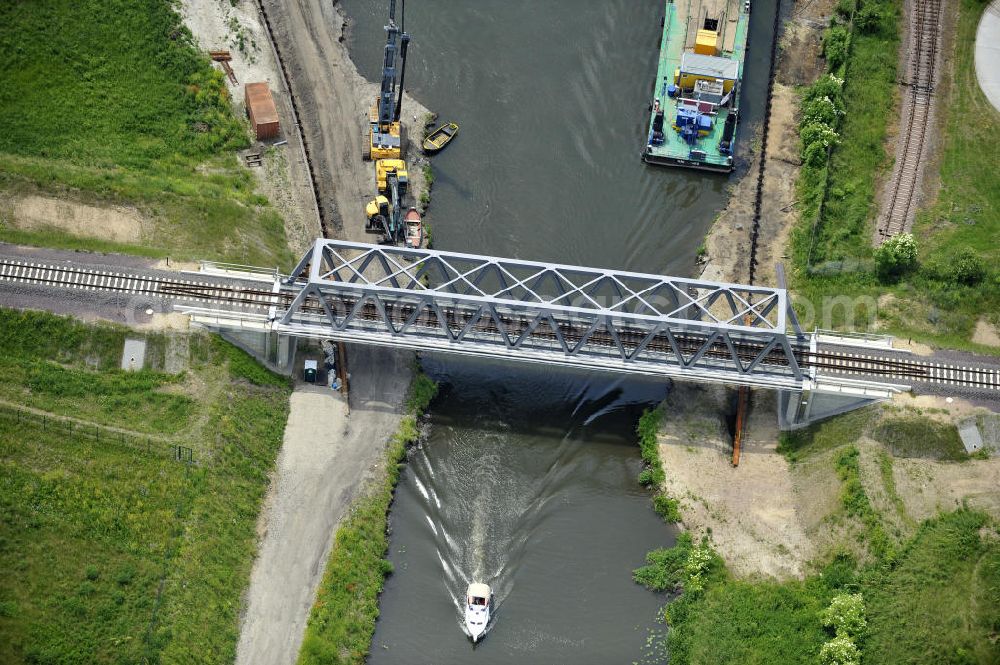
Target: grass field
[
  {"x": 108, "y": 102},
  {"x": 112, "y": 555},
  {"x": 937, "y": 302}
]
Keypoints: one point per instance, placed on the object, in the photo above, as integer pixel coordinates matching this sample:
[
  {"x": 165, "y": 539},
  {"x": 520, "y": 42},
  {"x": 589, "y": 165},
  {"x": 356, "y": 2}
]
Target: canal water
[{"x": 527, "y": 479}]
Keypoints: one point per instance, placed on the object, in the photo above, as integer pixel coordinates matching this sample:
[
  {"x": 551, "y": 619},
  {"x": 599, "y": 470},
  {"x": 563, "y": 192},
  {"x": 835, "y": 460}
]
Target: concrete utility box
[
  {"x": 309, "y": 371},
  {"x": 260, "y": 107}
]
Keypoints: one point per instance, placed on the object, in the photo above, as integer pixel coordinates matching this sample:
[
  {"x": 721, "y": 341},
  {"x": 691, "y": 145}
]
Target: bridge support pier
[
  {"x": 801, "y": 408},
  {"x": 275, "y": 350}
]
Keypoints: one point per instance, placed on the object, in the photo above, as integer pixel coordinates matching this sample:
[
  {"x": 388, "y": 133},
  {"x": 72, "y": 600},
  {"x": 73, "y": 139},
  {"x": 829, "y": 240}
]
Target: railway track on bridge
[
  {"x": 248, "y": 296},
  {"x": 902, "y": 193}
]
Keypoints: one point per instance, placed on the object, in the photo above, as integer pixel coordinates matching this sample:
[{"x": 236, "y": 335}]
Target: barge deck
[{"x": 711, "y": 148}]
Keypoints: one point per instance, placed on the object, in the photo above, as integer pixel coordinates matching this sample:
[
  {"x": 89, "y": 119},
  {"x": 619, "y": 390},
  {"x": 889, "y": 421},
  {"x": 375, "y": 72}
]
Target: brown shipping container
[{"x": 260, "y": 108}]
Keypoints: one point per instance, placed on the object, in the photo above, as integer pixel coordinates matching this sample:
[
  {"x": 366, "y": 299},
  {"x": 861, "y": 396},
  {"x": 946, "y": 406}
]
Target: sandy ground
[
  {"x": 986, "y": 333},
  {"x": 117, "y": 223},
  {"x": 334, "y": 100},
  {"x": 751, "y": 511},
  {"x": 927, "y": 487},
  {"x": 325, "y": 460},
  {"x": 728, "y": 243}
]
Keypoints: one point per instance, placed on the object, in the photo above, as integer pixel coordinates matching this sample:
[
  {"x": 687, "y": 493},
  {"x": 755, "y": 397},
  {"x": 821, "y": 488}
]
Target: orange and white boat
[{"x": 414, "y": 229}]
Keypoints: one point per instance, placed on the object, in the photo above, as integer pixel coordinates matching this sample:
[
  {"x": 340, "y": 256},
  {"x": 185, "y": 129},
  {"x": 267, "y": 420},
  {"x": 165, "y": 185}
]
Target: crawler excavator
[
  {"x": 384, "y": 213},
  {"x": 386, "y": 139}
]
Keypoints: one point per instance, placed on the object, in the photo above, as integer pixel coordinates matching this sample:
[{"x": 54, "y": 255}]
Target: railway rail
[
  {"x": 245, "y": 295},
  {"x": 917, "y": 117}
]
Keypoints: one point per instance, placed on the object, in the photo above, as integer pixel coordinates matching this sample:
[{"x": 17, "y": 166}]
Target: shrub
[
  {"x": 844, "y": 8},
  {"x": 846, "y": 615},
  {"x": 868, "y": 20},
  {"x": 839, "y": 651},
  {"x": 666, "y": 507},
  {"x": 835, "y": 46},
  {"x": 814, "y": 155},
  {"x": 696, "y": 567},
  {"x": 896, "y": 255},
  {"x": 818, "y": 132},
  {"x": 829, "y": 86},
  {"x": 666, "y": 566},
  {"x": 968, "y": 267},
  {"x": 821, "y": 110}
]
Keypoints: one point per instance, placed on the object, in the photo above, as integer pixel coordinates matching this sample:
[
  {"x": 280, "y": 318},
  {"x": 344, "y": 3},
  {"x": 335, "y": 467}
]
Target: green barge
[{"x": 696, "y": 94}]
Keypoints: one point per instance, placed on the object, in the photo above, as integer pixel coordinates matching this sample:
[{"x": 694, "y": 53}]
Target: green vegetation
[
  {"x": 889, "y": 483},
  {"x": 109, "y": 101},
  {"x": 856, "y": 504},
  {"x": 904, "y": 432},
  {"x": 652, "y": 474},
  {"x": 342, "y": 620},
  {"x": 938, "y": 601},
  {"x": 930, "y": 595},
  {"x": 839, "y": 190},
  {"x": 112, "y": 554},
  {"x": 37, "y": 370},
  {"x": 649, "y": 426},
  {"x": 915, "y": 436},
  {"x": 941, "y": 602},
  {"x": 941, "y": 295}
]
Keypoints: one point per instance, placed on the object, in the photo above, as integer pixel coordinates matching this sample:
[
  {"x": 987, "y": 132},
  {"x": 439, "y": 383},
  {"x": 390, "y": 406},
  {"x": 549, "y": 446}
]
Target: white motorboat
[{"x": 478, "y": 602}]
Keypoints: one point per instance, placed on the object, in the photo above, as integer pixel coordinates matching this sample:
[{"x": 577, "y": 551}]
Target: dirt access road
[{"x": 333, "y": 101}]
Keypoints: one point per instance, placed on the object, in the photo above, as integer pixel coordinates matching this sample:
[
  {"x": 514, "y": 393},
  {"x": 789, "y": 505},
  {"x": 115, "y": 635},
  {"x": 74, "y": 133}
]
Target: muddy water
[
  {"x": 527, "y": 480},
  {"x": 527, "y": 484}
]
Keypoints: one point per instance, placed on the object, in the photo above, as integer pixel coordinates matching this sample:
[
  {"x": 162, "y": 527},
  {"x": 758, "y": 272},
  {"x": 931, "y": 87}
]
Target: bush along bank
[
  {"x": 652, "y": 475},
  {"x": 342, "y": 620}
]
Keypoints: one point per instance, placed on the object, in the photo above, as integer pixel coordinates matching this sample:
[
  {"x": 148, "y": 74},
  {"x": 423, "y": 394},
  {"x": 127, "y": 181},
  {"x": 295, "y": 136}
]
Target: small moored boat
[
  {"x": 440, "y": 137},
  {"x": 414, "y": 228},
  {"x": 478, "y": 601}
]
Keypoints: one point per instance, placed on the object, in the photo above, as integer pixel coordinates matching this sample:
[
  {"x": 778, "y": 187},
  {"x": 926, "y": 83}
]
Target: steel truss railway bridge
[{"x": 534, "y": 312}]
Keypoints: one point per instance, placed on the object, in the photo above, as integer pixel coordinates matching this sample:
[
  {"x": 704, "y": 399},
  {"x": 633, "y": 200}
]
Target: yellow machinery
[
  {"x": 384, "y": 212},
  {"x": 383, "y": 168},
  {"x": 376, "y": 208},
  {"x": 386, "y": 139}
]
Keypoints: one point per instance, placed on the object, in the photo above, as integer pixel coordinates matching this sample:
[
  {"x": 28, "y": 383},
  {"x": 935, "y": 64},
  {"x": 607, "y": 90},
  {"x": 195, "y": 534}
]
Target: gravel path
[
  {"x": 988, "y": 53},
  {"x": 326, "y": 459}
]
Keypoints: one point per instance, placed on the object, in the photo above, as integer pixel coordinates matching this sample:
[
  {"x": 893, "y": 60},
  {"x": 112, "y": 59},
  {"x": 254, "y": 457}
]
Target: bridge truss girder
[{"x": 543, "y": 313}]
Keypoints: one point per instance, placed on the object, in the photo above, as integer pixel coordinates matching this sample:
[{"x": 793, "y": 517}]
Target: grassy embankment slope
[
  {"x": 119, "y": 553},
  {"x": 937, "y": 301},
  {"x": 343, "y": 617},
  {"x": 108, "y": 102},
  {"x": 931, "y": 592}
]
